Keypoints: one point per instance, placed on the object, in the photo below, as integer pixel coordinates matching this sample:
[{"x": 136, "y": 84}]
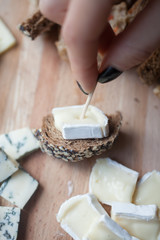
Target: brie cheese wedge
[
  {"x": 112, "y": 182},
  {"x": 7, "y": 40},
  {"x": 8, "y": 166},
  {"x": 9, "y": 221},
  {"x": 18, "y": 143},
  {"x": 18, "y": 188},
  {"x": 106, "y": 229},
  {"x": 93, "y": 125},
  {"x": 140, "y": 221},
  {"x": 77, "y": 215},
  {"x": 148, "y": 189}
]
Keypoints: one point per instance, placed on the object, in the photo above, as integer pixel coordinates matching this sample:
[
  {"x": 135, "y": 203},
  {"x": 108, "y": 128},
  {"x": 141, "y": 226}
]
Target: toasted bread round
[{"x": 52, "y": 142}]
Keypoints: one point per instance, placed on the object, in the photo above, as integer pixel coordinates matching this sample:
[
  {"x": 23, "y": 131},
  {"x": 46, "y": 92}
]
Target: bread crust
[{"x": 52, "y": 142}]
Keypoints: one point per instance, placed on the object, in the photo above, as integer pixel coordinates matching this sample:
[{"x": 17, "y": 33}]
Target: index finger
[{"x": 83, "y": 26}]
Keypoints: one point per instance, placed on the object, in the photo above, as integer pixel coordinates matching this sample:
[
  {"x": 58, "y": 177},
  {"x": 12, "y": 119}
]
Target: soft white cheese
[
  {"x": 93, "y": 125},
  {"x": 148, "y": 189},
  {"x": 77, "y": 214},
  {"x": 9, "y": 221},
  {"x": 18, "y": 142},
  {"x": 18, "y": 188},
  {"x": 112, "y": 182},
  {"x": 140, "y": 221},
  {"x": 106, "y": 229},
  {"x": 7, "y": 166},
  {"x": 7, "y": 40},
  {"x": 144, "y": 212}
]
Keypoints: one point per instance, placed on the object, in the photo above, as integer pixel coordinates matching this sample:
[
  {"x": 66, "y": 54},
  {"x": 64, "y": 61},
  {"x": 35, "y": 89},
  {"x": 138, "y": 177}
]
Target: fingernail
[
  {"x": 81, "y": 88},
  {"x": 108, "y": 75}
]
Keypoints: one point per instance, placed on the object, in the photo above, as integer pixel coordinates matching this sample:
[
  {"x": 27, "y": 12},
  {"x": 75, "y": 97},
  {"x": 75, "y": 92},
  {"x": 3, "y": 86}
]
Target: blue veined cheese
[
  {"x": 18, "y": 188},
  {"x": 8, "y": 166},
  {"x": 77, "y": 214},
  {"x": 111, "y": 182},
  {"x": 18, "y": 142},
  {"x": 140, "y": 221},
  {"x": 106, "y": 229},
  {"x": 9, "y": 221},
  {"x": 148, "y": 189},
  {"x": 68, "y": 121},
  {"x": 7, "y": 40}
]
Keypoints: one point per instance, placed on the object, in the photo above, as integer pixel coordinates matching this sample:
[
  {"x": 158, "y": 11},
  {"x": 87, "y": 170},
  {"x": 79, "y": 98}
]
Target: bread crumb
[
  {"x": 70, "y": 188},
  {"x": 156, "y": 90}
]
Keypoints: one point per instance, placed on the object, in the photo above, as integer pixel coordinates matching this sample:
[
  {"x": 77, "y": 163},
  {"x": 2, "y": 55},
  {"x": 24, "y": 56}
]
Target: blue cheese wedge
[
  {"x": 7, "y": 40},
  {"x": 8, "y": 166},
  {"x": 106, "y": 229},
  {"x": 9, "y": 221},
  {"x": 112, "y": 182},
  {"x": 148, "y": 189},
  {"x": 18, "y": 143},
  {"x": 18, "y": 188},
  {"x": 77, "y": 215},
  {"x": 68, "y": 121},
  {"x": 140, "y": 221}
]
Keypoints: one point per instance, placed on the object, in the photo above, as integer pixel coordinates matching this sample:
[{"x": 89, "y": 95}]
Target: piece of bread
[
  {"x": 52, "y": 142},
  {"x": 36, "y": 25}
]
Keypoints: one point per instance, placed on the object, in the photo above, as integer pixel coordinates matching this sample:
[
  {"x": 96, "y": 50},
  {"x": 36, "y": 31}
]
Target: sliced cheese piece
[
  {"x": 18, "y": 188},
  {"x": 68, "y": 121},
  {"x": 18, "y": 143},
  {"x": 77, "y": 214},
  {"x": 106, "y": 229},
  {"x": 7, "y": 166},
  {"x": 9, "y": 221},
  {"x": 140, "y": 221},
  {"x": 148, "y": 189},
  {"x": 111, "y": 181},
  {"x": 7, "y": 40}
]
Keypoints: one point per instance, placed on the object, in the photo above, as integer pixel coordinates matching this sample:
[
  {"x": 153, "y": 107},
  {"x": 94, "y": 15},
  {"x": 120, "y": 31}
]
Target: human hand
[{"x": 85, "y": 31}]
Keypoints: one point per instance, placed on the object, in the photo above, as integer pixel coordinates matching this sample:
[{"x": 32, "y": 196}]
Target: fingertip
[
  {"x": 44, "y": 7},
  {"x": 88, "y": 86},
  {"x": 87, "y": 80}
]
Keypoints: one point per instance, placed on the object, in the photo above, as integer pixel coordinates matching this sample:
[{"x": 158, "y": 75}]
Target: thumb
[{"x": 137, "y": 42}]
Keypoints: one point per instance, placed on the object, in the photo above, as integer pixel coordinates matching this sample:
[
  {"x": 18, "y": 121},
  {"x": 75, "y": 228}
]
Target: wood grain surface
[{"x": 33, "y": 80}]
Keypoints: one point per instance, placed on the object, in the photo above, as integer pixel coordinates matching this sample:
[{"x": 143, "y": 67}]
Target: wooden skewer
[{"x": 89, "y": 98}]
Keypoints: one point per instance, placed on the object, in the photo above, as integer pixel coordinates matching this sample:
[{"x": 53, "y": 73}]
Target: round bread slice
[{"x": 52, "y": 142}]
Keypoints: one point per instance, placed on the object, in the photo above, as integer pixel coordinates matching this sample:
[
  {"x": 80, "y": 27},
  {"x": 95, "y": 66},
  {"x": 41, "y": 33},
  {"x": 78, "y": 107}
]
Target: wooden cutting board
[{"x": 33, "y": 80}]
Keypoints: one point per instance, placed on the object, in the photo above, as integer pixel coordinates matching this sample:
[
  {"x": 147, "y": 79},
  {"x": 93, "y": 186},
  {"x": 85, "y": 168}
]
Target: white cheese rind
[
  {"x": 140, "y": 221},
  {"x": 8, "y": 166},
  {"x": 7, "y": 40},
  {"x": 110, "y": 181},
  {"x": 147, "y": 191},
  {"x": 9, "y": 221},
  {"x": 129, "y": 210},
  {"x": 19, "y": 142},
  {"x": 67, "y": 120},
  {"x": 105, "y": 229},
  {"x": 18, "y": 188},
  {"x": 77, "y": 214}
]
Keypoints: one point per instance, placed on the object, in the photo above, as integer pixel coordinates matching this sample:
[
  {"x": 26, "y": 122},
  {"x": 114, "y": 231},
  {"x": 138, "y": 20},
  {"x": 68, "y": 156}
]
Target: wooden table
[{"x": 33, "y": 80}]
